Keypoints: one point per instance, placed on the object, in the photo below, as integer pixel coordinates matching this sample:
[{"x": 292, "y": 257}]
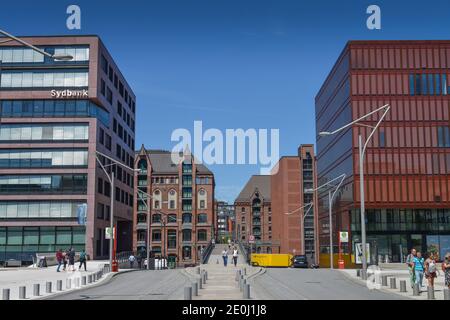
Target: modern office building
[
  {"x": 254, "y": 215},
  {"x": 55, "y": 116},
  {"x": 225, "y": 221},
  {"x": 181, "y": 207},
  {"x": 293, "y": 209},
  {"x": 407, "y": 163}
]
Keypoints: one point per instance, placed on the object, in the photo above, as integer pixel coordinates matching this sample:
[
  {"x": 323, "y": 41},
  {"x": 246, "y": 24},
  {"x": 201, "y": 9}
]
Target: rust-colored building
[
  {"x": 407, "y": 163},
  {"x": 181, "y": 205},
  {"x": 254, "y": 215},
  {"x": 293, "y": 211},
  {"x": 55, "y": 115}
]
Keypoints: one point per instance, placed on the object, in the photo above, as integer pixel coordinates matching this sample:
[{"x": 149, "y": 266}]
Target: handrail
[
  {"x": 244, "y": 251},
  {"x": 207, "y": 253}
]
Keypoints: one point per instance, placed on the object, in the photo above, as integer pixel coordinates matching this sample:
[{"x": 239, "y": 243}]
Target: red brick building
[
  {"x": 181, "y": 205},
  {"x": 407, "y": 163}
]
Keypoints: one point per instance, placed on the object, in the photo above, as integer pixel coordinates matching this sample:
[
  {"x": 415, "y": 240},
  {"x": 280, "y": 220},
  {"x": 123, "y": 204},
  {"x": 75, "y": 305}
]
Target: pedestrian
[
  {"x": 83, "y": 259},
  {"x": 65, "y": 259},
  {"x": 145, "y": 263},
  {"x": 419, "y": 268},
  {"x": 131, "y": 259},
  {"x": 59, "y": 259},
  {"x": 235, "y": 257},
  {"x": 410, "y": 263},
  {"x": 446, "y": 269},
  {"x": 72, "y": 259},
  {"x": 225, "y": 257},
  {"x": 139, "y": 261},
  {"x": 431, "y": 269}
]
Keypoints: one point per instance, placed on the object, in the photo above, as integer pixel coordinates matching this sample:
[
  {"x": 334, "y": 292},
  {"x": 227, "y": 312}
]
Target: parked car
[{"x": 300, "y": 262}]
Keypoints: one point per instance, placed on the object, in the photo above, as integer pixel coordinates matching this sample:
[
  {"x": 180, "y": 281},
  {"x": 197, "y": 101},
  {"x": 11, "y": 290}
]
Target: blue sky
[{"x": 232, "y": 64}]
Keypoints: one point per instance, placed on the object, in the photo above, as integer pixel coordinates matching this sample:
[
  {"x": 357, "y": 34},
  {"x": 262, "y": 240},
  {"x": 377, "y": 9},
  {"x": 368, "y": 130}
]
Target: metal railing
[
  {"x": 244, "y": 250},
  {"x": 207, "y": 253}
]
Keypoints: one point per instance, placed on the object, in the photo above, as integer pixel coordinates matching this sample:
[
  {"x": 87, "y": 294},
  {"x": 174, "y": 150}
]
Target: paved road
[
  {"x": 307, "y": 284},
  {"x": 136, "y": 285}
]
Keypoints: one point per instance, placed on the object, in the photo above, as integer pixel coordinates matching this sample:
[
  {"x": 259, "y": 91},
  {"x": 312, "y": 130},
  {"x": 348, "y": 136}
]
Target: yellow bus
[{"x": 271, "y": 260}]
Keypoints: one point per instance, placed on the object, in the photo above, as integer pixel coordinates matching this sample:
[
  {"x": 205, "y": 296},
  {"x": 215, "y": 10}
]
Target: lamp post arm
[
  {"x": 104, "y": 169},
  {"x": 6, "y": 34},
  {"x": 338, "y": 186},
  {"x": 375, "y": 128}
]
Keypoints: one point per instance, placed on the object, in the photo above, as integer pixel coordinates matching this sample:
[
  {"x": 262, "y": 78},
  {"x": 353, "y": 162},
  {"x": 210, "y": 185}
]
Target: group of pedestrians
[
  {"x": 225, "y": 254},
  {"x": 419, "y": 267},
  {"x": 67, "y": 259}
]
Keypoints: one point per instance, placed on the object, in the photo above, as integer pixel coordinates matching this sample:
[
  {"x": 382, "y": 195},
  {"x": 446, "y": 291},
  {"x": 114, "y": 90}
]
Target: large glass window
[
  {"x": 69, "y": 184},
  {"x": 43, "y": 158},
  {"x": 38, "y": 210},
  {"x": 202, "y": 235},
  {"x": 25, "y": 55},
  {"x": 54, "y": 79},
  {"x": 187, "y": 235},
  {"x": 37, "y": 132}
]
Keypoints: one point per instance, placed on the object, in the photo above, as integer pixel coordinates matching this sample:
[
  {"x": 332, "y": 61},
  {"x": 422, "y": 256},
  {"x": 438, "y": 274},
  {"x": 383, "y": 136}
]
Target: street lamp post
[
  {"x": 309, "y": 206},
  {"x": 147, "y": 204},
  {"x": 51, "y": 56},
  {"x": 330, "y": 212},
  {"x": 362, "y": 150},
  {"x": 112, "y": 258}
]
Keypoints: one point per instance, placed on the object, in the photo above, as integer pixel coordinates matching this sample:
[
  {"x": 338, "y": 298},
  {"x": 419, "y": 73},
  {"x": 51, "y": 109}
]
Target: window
[
  {"x": 104, "y": 64},
  {"x": 187, "y": 253},
  {"x": 202, "y": 218},
  {"x": 43, "y": 158},
  {"x": 109, "y": 95},
  {"x": 202, "y": 194},
  {"x": 103, "y": 87},
  {"x": 443, "y": 137},
  {"x": 44, "y": 132},
  {"x": 202, "y": 235},
  {"x": 172, "y": 218},
  {"x": 187, "y": 235},
  {"x": 187, "y": 218},
  {"x": 38, "y": 210},
  {"x": 156, "y": 235},
  {"x": 172, "y": 199},
  {"x": 428, "y": 84},
  {"x": 156, "y": 218},
  {"x": 382, "y": 139},
  {"x": 157, "y": 199},
  {"x": 100, "y": 185},
  {"x": 108, "y": 141},
  {"x": 171, "y": 239},
  {"x": 100, "y": 211}
]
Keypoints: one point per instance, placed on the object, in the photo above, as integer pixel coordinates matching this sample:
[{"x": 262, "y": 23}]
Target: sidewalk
[
  {"x": 13, "y": 278},
  {"x": 403, "y": 275}
]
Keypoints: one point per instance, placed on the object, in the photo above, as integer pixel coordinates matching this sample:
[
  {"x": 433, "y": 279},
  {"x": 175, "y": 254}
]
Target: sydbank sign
[{"x": 73, "y": 94}]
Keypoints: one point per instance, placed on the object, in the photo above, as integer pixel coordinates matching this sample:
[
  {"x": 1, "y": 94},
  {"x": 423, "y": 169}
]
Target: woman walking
[
  {"x": 430, "y": 269},
  {"x": 225, "y": 257},
  {"x": 446, "y": 270},
  {"x": 419, "y": 268},
  {"x": 235, "y": 256}
]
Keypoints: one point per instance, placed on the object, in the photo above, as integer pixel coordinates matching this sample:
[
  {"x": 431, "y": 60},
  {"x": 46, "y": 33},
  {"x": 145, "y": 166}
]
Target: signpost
[
  {"x": 343, "y": 238},
  {"x": 359, "y": 253}
]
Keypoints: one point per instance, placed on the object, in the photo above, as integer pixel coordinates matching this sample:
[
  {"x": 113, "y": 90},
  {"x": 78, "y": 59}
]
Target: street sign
[
  {"x": 343, "y": 237},
  {"x": 108, "y": 233},
  {"x": 358, "y": 253},
  {"x": 251, "y": 239}
]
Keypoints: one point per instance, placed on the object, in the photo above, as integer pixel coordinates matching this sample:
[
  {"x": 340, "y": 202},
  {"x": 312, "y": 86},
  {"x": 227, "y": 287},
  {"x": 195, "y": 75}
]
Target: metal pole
[
  {"x": 363, "y": 214},
  {"x": 330, "y": 203},
  {"x": 111, "y": 217},
  {"x": 148, "y": 231}
]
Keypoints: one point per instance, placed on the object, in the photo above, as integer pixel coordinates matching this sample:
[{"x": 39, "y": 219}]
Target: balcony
[
  {"x": 141, "y": 243},
  {"x": 141, "y": 226},
  {"x": 256, "y": 222},
  {"x": 256, "y": 213}
]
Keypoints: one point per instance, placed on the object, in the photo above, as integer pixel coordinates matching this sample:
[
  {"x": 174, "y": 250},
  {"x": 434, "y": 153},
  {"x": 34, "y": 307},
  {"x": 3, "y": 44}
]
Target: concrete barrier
[
  {"x": 90, "y": 278},
  {"x": 195, "y": 289},
  {"x": 48, "y": 287},
  {"x": 83, "y": 280},
  {"x": 384, "y": 281},
  {"x": 430, "y": 293},
  {"x": 446, "y": 294},
  {"x": 68, "y": 283},
  {"x": 36, "y": 289},
  {"x": 6, "y": 295},
  {"x": 187, "y": 293},
  {"x": 22, "y": 292},
  {"x": 416, "y": 290},
  {"x": 393, "y": 283},
  {"x": 403, "y": 286},
  {"x": 246, "y": 293},
  {"x": 59, "y": 285}
]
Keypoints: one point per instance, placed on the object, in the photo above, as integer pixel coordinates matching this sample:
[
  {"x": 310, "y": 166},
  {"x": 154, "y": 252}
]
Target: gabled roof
[
  {"x": 161, "y": 161},
  {"x": 256, "y": 183}
]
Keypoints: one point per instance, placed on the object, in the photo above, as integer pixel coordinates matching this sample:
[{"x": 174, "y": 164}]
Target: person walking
[
  {"x": 410, "y": 263},
  {"x": 131, "y": 259},
  {"x": 225, "y": 257},
  {"x": 419, "y": 269},
  {"x": 235, "y": 256},
  {"x": 83, "y": 259},
  {"x": 139, "y": 261},
  {"x": 72, "y": 259},
  {"x": 65, "y": 259},
  {"x": 59, "y": 259},
  {"x": 446, "y": 270},
  {"x": 431, "y": 270}
]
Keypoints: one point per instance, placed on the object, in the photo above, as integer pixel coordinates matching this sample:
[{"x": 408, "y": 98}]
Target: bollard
[
  {"x": 195, "y": 289},
  {"x": 206, "y": 275},
  {"x": 393, "y": 283},
  {"x": 384, "y": 281},
  {"x": 243, "y": 284},
  {"x": 90, "y": 278},
  {"x": 59, "y": 285},
  {"x": 83, "y": 280},
  {"x": 358, "y": 273},
  {"x": 244, "y": 271},
  {"x": 36, "y": 289},
  {"x": 416, "y": 291},
  {"x": 446, "y": 294},
  {"x": 77, "y": 282},
  {"x": 430, "y": 293},
  {"x": 236, "y": 278},
  {"x": 246, "y": 291},
  {"x": 403, "y": 286},
  {"x": 22, "y": 292},
  {"x": 200, "y": 283},
  {"x": 6, "y": 294},
  {"x": 364, "y": 274},
  {"x": 198, "y": 270},
  {"x": 187, "y": 293},
  {"x": 48, "y": 287},
  {"x": 68, "y": 283}
]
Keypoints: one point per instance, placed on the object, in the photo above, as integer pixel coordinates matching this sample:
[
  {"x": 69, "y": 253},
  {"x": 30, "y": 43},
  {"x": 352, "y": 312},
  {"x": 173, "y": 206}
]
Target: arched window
[
  {"x": 142, "y": 166},
  {"x": 157, "y": 199},
  {"x": 202, "y": 235},
  {"x": 202, "y": 218},
  {"x": 187, "y": 253},
  {"x": 172, "y": 199},
  {"x": 202, "y": 199}
]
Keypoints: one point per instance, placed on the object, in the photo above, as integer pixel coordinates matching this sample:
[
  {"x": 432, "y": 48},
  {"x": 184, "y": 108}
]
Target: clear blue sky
[{"x": 230, "y": 63}]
